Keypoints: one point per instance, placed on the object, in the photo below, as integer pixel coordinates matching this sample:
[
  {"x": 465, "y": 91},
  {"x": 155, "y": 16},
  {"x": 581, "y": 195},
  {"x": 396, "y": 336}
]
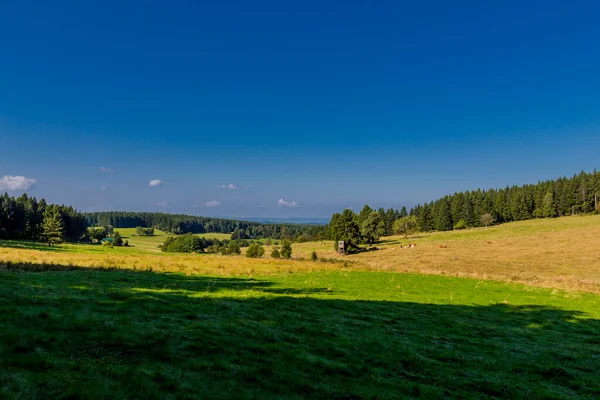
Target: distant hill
[{"x": 299, "y": 221}]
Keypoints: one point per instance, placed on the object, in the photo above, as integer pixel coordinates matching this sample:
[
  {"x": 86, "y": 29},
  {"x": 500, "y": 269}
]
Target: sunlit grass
[{"x": 341, "y": 334}]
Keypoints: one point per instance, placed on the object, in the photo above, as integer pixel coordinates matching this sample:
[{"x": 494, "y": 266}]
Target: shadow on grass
[
  {"x": 15, "y": 244},
  {"x": 124, "y": 334}
]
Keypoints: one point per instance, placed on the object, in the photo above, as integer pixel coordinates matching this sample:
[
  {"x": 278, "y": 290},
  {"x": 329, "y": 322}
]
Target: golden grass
[
  {"x": 35, "y": 260},
  {"x": 561, "y": 253}
]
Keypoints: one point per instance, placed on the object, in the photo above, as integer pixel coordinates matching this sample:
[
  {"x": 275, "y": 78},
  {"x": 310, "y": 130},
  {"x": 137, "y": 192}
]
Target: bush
[
  {"x": 286, "y": 249},
  {"x": 255, "y": 251},
  {"x": 460, "y": 225},
  {"x": 275, "y": 253},
  {"x": 183, "y": 244},
  {"x": 313, "y": 256},
  {"x": 233, "y": 248},
  {"x": 108, "y": 244},
  {"x": 141, "y": 231}
]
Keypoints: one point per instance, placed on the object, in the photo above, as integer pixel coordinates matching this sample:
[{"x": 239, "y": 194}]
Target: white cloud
[
  {"x": 155, "y": 183},
  {"x": 106, "y": 170},
  {"x": 14, "y": 183},
  {"x": 282, "y": 203},
  {"x": 162, "y": 204},
  {"x": 248, "y": 187},
  {"x": 231, "y": 186},
  {"x": 212, "y": 204},
  {"x": 103, "y": 187}
]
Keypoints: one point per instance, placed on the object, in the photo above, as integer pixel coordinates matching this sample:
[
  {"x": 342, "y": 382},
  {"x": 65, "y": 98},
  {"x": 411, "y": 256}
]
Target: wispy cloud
[
  {"x": 13, "y": 183},
  {"x": 212, "y": 204},
  {"x": 103, "y": 187},
  {"x": 231, "y": 186},
  {"x": 247, "y": 187},
  {"x": 162, "y": 204},
  {"x": 155, "y": 183},
  {"x": 106, "y": 170},
  {"x": 282, "y": 203}
]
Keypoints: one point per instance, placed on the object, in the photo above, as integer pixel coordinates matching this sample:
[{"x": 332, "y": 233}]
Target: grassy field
[
  {"x": 122, "y": 334},
  {"x": 82, "y": 321},
  {"x": 151, "y": 243}
]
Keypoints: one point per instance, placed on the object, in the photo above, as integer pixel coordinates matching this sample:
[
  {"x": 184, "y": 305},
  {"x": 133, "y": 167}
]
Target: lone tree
[
  {"x": 405, "y": 225},
  {"x": 53, "y": 229},
  {"x": 487, "y": 219},
  {"x": 286, "y": 249},
  {"x": 117, "y": 239}
]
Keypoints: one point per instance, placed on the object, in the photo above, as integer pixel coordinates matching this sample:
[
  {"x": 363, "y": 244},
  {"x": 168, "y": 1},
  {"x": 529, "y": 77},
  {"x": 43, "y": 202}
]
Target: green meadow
[{"x": 343, "y": 334}]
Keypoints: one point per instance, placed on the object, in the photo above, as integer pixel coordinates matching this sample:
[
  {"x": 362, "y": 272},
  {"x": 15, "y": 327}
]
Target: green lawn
[{"x": 332, "y": 335}]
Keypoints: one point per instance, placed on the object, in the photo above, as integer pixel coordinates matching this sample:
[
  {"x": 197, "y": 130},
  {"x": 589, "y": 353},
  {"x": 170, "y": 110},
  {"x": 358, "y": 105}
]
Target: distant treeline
[
  {"x": 181, "y": 224},
  {"x": 22, "y": 218},
  {"x": 547, "y": 199},
  {"x": 552, "y": 198}
]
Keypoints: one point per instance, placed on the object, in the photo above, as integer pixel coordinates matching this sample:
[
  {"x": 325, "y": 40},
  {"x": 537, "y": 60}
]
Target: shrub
[
  {"x": 141, "y": 231},
  {"x": 255, "y": 251},
  {"x": 117, "y": 239},
  {"x": 460, "y": 225},
  {"x": 233, "y": 248},
  {"x": 183, "y": 244},
  {"x": 108, "y": 244},
  {"x": 313, "y": 256},
  {"x": 275, "y": 253},
  {"x": 286, "y": 249}
]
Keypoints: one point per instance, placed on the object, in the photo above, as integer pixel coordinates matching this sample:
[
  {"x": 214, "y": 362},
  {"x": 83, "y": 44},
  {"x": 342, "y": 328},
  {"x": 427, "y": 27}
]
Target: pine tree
[
  {"x": 53, "y": 227},
  {"x": 443, "y": 220},
  {"x": 403, "y": 212},
  {"x": 425, "y": 220}
]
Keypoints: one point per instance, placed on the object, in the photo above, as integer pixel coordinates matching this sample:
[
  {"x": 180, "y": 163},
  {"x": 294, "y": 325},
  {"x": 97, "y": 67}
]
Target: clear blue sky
[{"x": 324, "y": 104}]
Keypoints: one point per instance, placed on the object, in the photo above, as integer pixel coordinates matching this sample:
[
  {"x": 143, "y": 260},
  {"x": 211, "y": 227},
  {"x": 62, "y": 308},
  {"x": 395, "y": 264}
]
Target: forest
[
  {"x": 181, "y": 224},
  {"x": 476, "y": 208},
  {"x": 25, "y": 218}
]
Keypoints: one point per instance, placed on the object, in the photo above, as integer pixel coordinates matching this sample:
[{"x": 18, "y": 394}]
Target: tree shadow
[
  {"x": 25, "y": 245},
  {"x": 103, "y": 334}
]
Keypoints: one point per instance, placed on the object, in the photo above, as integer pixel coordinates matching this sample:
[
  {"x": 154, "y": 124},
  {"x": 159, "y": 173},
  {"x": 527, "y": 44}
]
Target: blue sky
[{"x": 325, "y": 105}]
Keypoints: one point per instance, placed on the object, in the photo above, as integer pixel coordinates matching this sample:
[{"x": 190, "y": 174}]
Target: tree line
[
  {"x": 546, "y": 199},
  {"x": 181, "y": 224},
  {"x": 26, "y": 218}
]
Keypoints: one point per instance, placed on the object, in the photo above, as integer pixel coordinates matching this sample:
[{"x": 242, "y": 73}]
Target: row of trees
[
  {"x": 564, "y": 196},
  {"x": 26, "y": 218},
  {"x": 180, "y": 224},
  {"x": 547, "y": 199}
]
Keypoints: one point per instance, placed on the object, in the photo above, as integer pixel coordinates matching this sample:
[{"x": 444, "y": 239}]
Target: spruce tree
[{"x": 53, "y": 227}]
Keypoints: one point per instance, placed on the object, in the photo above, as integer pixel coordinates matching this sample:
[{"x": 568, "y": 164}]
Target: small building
[{"x": 342, "y": 247}]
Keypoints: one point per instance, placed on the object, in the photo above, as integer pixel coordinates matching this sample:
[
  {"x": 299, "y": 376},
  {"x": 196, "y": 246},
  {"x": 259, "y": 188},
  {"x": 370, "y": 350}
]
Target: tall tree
[
  {"x": 53, "y": 227},
  {"x": 372, "y": 228},
  {"x": 345, "y": 227}
]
